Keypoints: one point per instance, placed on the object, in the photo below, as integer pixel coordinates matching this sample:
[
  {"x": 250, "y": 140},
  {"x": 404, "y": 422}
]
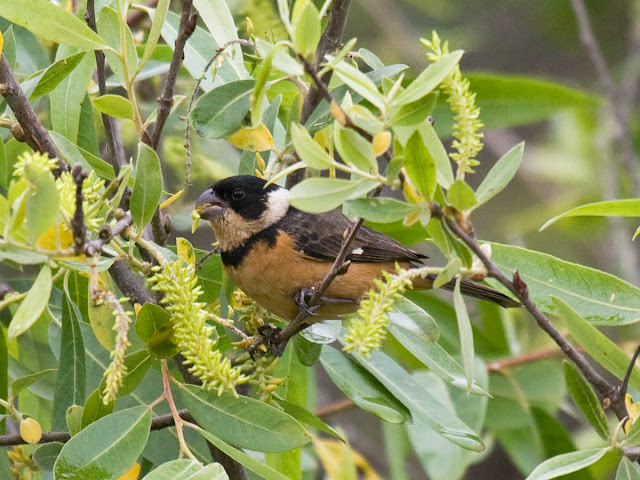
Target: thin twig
[
  {"x": 622, "y": 391},
  {"x": 35, "y": 134},
  {"x": 518, "y": 287},
  {"x": 333, "y": 408},
  {"x": 329, "y": 42},
  {"x": 107, "y": 234},
  {"x": 111, "y": 131},
  {"x": 78, "y": 226},
  {"x": 165, "y": 101}
]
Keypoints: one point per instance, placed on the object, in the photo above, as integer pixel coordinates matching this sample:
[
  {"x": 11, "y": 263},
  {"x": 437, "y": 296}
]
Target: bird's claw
[
  {"x": 302, "y": 298},
  {"x": 269, "y": 338}
]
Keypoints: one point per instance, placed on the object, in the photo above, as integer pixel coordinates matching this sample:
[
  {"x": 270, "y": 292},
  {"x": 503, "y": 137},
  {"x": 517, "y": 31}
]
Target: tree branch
[
  {"x": 35, "y": 134},
  {"x": 519, "y": 288},
  {"x": 329, "y": 42}
]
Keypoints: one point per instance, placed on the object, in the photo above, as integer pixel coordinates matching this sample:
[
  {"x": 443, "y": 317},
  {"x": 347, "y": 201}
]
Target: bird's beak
[{"x": 210, "y": 206}]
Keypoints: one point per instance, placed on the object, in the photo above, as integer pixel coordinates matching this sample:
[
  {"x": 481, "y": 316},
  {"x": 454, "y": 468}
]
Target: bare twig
[
  {"x": 622, "y": 391},
  {"x": 35, "y": 134},
  {"x": 165, "y": 101},
  {"x": 78, "y": 226},
  {"x": 158, "y": 423},
  {"x": 112, "y": 133},
  {"x": 329, "y": 42},
  {"x": 519, "y": 288},
  {"x": 107, "y": 234}
]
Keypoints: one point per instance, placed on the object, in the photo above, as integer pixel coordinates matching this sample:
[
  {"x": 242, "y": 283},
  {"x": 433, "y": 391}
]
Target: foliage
[{"x": 97, "y": 305}]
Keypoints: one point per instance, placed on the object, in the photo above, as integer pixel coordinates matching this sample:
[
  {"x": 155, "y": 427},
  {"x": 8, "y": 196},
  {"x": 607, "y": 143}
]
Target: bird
[{"x": 272, "y": 251}]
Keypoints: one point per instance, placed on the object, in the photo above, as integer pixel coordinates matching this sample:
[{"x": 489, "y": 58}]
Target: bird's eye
[{"x": 237, "y": 194}]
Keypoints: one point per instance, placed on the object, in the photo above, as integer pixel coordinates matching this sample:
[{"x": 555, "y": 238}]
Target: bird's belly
[{"x": 272, "y": 278}]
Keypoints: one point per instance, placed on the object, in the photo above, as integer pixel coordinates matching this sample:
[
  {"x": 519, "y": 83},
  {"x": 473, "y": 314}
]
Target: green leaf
[
  {"x": 54, "y": 74},
  {"x": 149, "y": 319},
  {"x": 310, "y": 152},
  {"x": 500, "y": 174},
  {"x": 595, "y": 343},
  {"x": 414, "y": 320},
  {"x": 220, "y": 112},
  {"x": 42, "y": 201},
  {"x": 466, "y": 334},
  {"x": 420, "y": 166},
  {"x": 95, "y": 408},
  {"x": 569, "y": 462},
  {"x": 137, "y": 364},
  {"x": 73, "y": 155},
  {"x": 113, "y": 30},
  {"x": 305, "y": 417},
  {"x": 262, "y": 75},
  {"x": 461, "y": 196},
  {"x": 52, "y": 23},
  {"x": 421, "y": 403},
  {"x": 380, "y": 210},
  {"x": 6, "y": 170},
  {"x": 71, "y": 379},
  {"x": 107, "y": 448},
  {"x": 614, "y": 208},
  {"x": 353, "y": 148},
  {"x": 181, "y": 469},
  {"x": 628, "y": 470},
  {"x": 306, "y": 22},
  {"x": 245, "y": 460},
  {"x": 66, "y": 99},
  {"x": 429, "y": 78},
  {"x": 317, "y": 195},
  {"x": 359, "y": 83},
  {"x": 509, "y": 101},
  {"x": 45, "y": 456},
  {"x": 362, "y": 387},
  {"x": 450, "y": 270},
  {"x": 586, "y": 399},
  {"x": 33, "y": 304},
  {"x": 415, "y": 113},
  {"x": 28, "y": 380},
  {"x": 147, "y": 188},
  {"x": 209, "y": 275},
  {"x": 114, "y": 105},
  {"x": 154, "y": 32},
  {"x": 600, "y": 298},
  {"x": 244, "y": 421}
]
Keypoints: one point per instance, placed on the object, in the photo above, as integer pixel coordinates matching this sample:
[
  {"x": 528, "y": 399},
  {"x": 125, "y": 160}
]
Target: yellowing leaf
[
  {"x": 633, "y": 408},
  {"x": 331, "y": 452},
  {"x": 255, "y": 139},
  {"x": 132, "y": 474},
  {"x": 185, "y": 251},
  {"x": 1, "y": 42},
  {"x": 49, "y": 241},
  {"x": 171, "y": 199},
  {"x": 381, "y": 142}
]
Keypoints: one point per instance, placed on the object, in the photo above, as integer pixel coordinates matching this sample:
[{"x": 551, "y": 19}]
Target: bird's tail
[{"x": 472, "y": 289}]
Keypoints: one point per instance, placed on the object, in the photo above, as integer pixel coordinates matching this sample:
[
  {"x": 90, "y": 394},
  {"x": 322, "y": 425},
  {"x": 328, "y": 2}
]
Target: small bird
[{"x": 273, "y": 251}]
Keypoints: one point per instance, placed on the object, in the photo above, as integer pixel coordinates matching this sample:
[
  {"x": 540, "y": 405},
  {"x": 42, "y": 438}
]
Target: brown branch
[
  {"x": 333, "y": 408},
  {"x": 78, "y": 226},
  {"x": 519, "y": 288},
  {"x": 622, "y": 391},
  {"x": 165, "y": 101},
  {"x": 35, "y": 134},
  {"x": 111, "y": 132},
  {"x": 329, "y": 42},
  {"x": 158, "y": 423}
]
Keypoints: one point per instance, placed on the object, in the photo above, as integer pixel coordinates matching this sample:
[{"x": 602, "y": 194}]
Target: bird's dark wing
[{"x": 319, "y": 236}]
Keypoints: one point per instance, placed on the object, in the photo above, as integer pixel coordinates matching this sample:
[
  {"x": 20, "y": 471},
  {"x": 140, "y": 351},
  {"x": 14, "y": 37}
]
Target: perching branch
[
  {"x": 519, "y": 288},
  {"x": 329, "y": 42},
  {"x": 34, "y": 132},
  {"x": 111, "y": 131},
  {"x": 165, "y": 101}
]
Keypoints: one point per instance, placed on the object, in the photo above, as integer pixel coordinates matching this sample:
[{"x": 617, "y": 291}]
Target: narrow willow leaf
[
  {"x": 52, "y": 23},
  {"x": 6, "y": 170},
  {"x": 306, "y": 25},
  {"x": 614, "y": 208},
  {"x": 25, "y": 382},
  {"x": 429, "y": 78},
  {"x": 420, "y": 166},
  {"x": 305, "y": 417},
  {"x": 42, "y": 201},
  {"x": 73, "y": 155},
  {"x": 260, "y": 88},
  {"x": 466, "y": 333},
  {"x": 137, "y": 364},
  {"x": 599, "y": 297},
  {"x": 245, "y": 460},
  {"x": 461, "y": 196},
  {"x": 586, "y": 399},
  {"x": 353, "y": 148},
  {"x": 450, "y": 270},
  {"x": 414, "y": 321},
  {"x": 380, "y": 210},
  {"x": 33, "y": 304},
  {"x": 154, "y": 32},
  {"x": 317, "y": 195},
  {"x": 107, "y": 448},
  {"x": 244, "y": 422},
  {"x": 95, "y": 409},
  {"x": 567, "y": 463},
  {"x": 112, "y": 28},
  {"x": 181, "y": 469},
  {"x": 359, "y": 83},
  {"x": 422, "y": 404},
  {"x": 628, "y": 470},
  {"x": 220, "y": 112},
  {"x": 595, "y": 343},
  {"x": 362, "y": 387},
  {"x": 439, "y": 155},
  {"x": 114, "y": 105},
  {"x": 500, "y": 174},
  {"x": 70, "y": 383},
  {"x": 309, "y": 151},
  {"x": 147, "y": 188},
  {"x": 55, "y": 73}
]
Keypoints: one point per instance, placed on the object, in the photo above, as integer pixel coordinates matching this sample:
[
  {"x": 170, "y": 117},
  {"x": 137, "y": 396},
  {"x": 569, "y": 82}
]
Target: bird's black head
[{"x": 244, "y": 194}]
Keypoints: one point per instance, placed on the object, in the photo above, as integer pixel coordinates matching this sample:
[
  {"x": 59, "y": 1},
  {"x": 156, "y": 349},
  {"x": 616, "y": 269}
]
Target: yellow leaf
[
  {"x": 171, "y": 199},
  {"x": 48, "y": 241},
  {"x": 1, "y": 42},
  {"x": 195, "y": 217},
  {"x": 132, "y": 474},
  {"x": 633, "y": 408},
  {"x": 185, "y": 251},
  {"x": 381, "y": 142},
  {"x": 30, "y": 430},
  {"x": 331, "y": 453},
  {"x": 254, "y": 139}
]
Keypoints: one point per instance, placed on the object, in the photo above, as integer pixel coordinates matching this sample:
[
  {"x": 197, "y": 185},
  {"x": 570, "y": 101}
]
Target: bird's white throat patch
[{"x": 232, "y": 230}]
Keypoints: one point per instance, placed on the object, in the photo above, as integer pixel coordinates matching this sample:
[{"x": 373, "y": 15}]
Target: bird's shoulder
[{"x": 320, "y": 236}]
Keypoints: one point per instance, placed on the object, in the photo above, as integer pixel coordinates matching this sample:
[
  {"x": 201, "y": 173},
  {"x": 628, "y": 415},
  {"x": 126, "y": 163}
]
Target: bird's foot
[
  {"x": 303, "y": 297},
  {"x": 269, "y": 338}
]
